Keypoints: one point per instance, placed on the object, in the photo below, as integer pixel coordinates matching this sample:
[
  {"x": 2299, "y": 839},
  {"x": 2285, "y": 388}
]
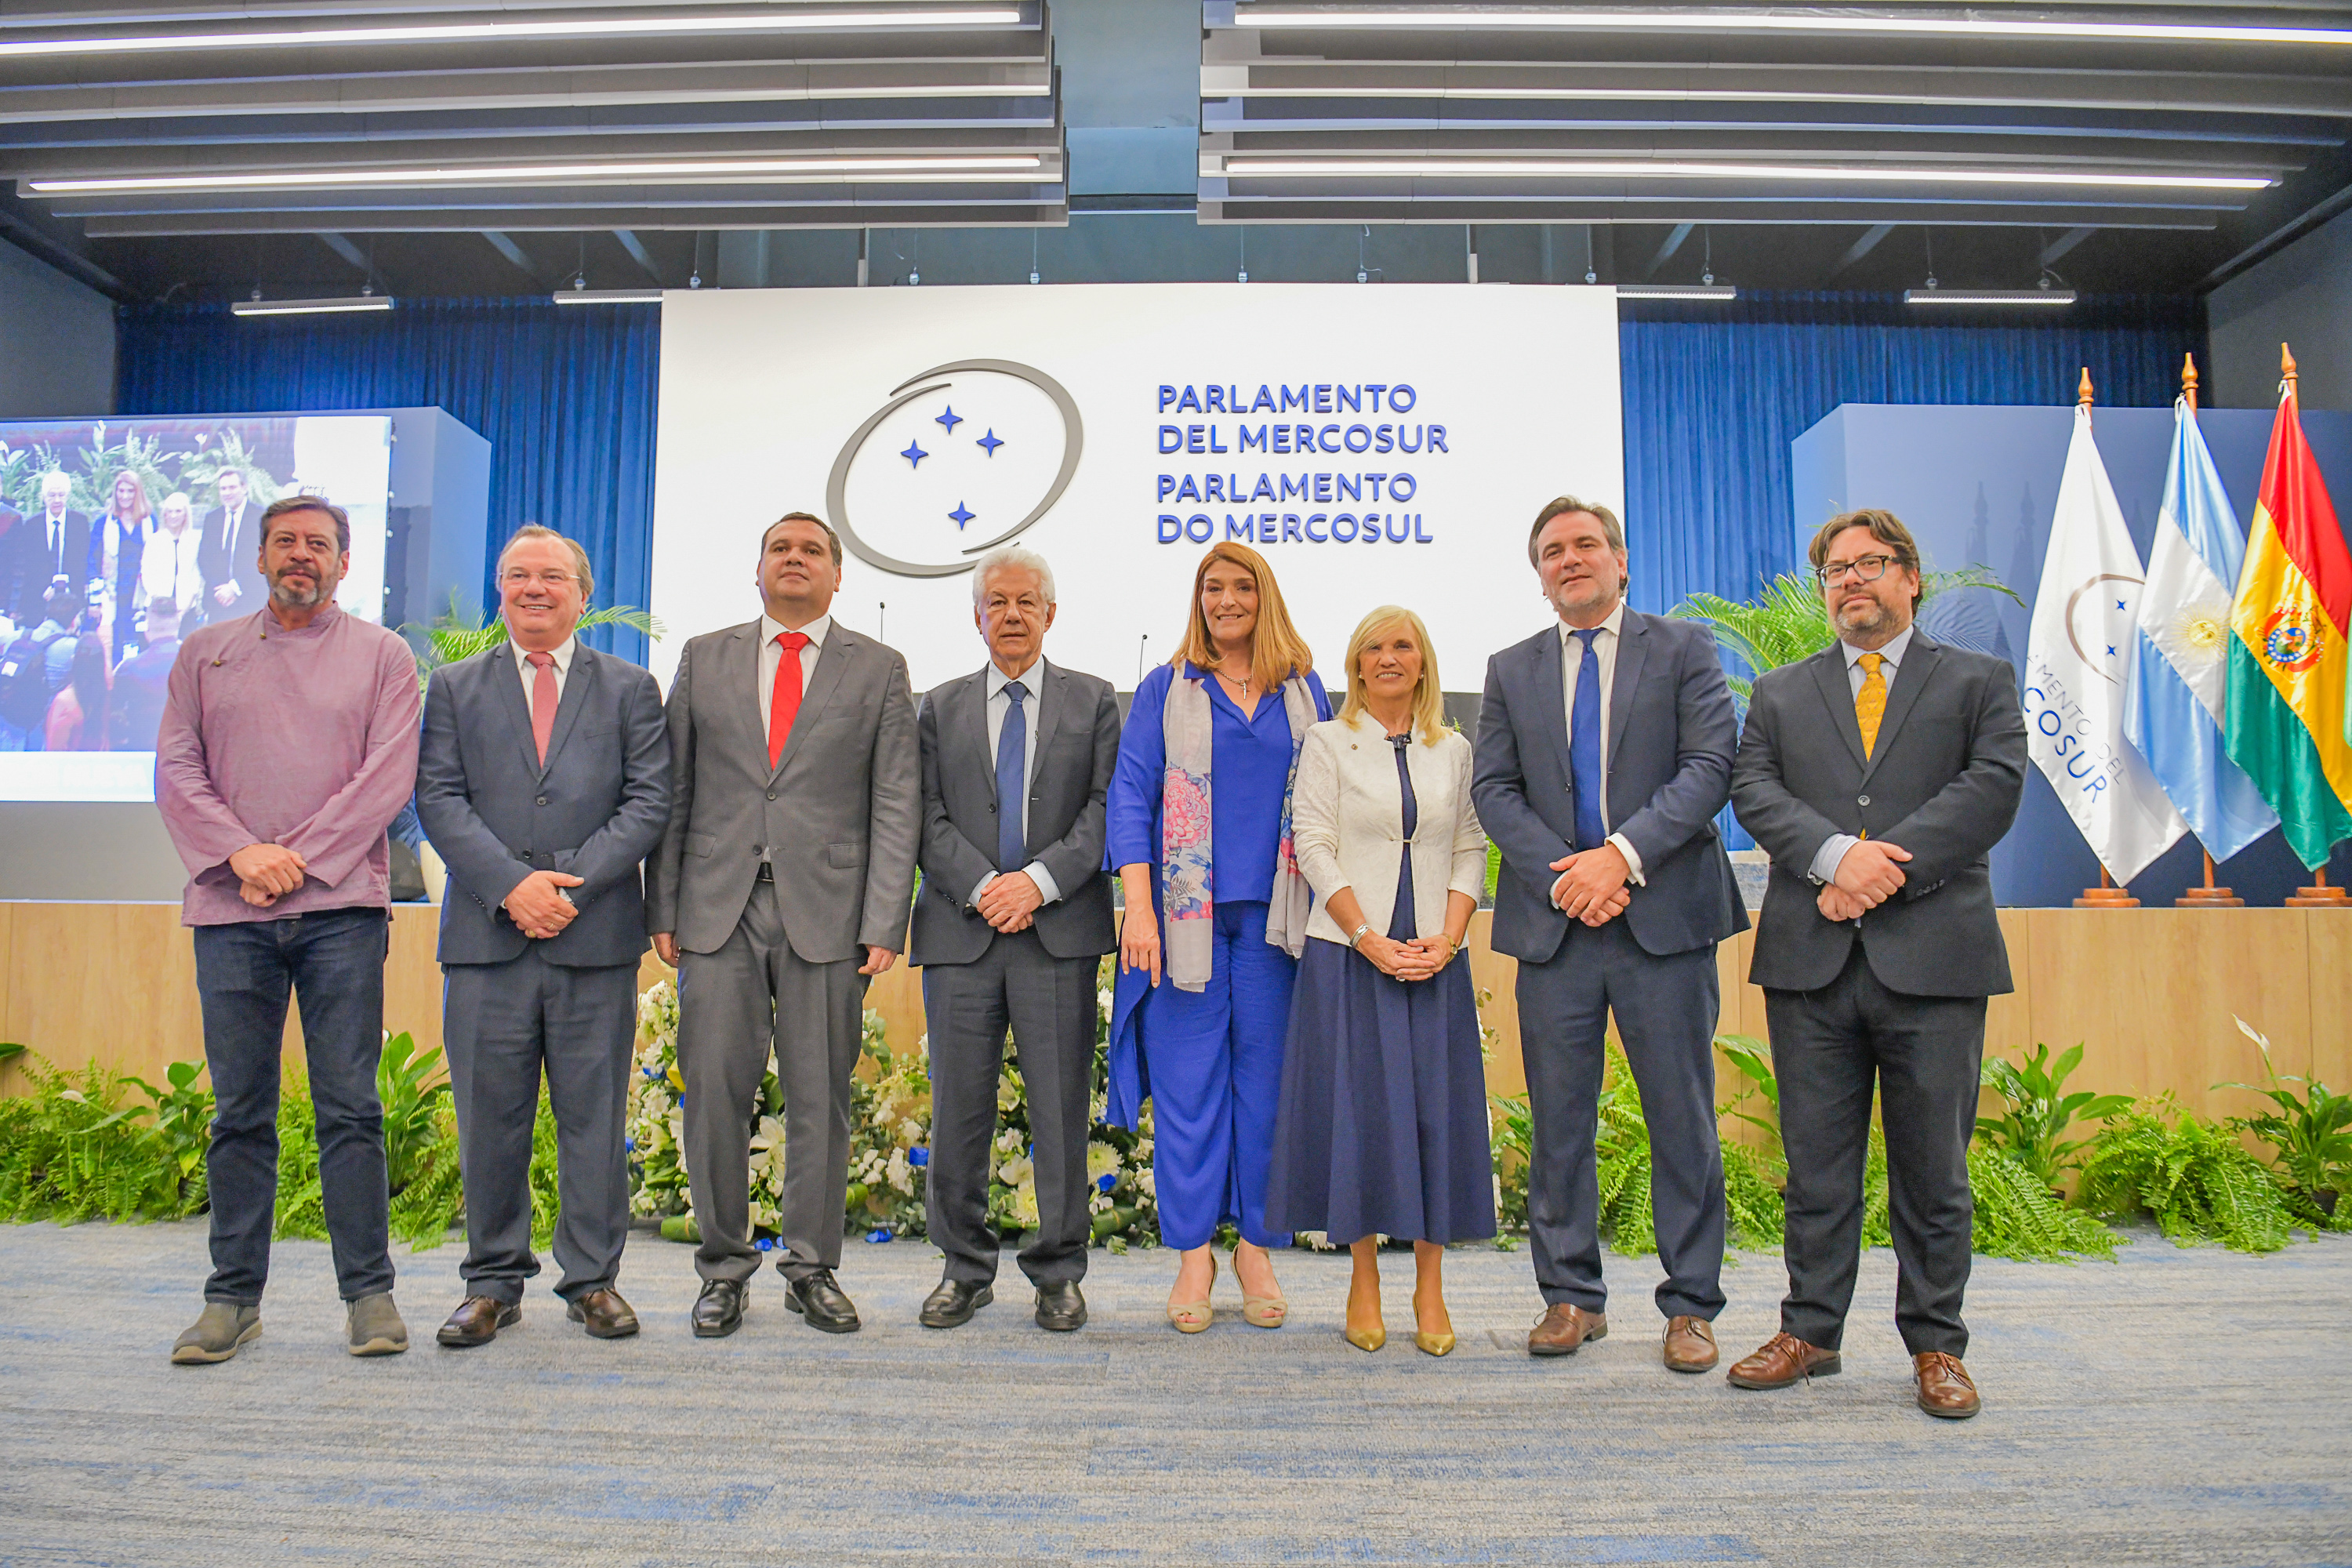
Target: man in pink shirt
[{"x": 287, "y": 746}]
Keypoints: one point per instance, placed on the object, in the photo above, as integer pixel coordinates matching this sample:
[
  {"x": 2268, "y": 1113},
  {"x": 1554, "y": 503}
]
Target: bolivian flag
[{"x": 2288, "y": 657}]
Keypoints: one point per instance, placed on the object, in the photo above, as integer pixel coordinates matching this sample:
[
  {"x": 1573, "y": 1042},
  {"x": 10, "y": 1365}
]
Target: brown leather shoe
[
  {"x": 1783, "y": 1360},
  {"x": 603, "y": 1313},
  {"x": 1945, "y": 1389},
  {"x": 1563, "y": 1327},
  {"x": 1690, "y": 1344},
  {"x": 477, "y": 1321}
]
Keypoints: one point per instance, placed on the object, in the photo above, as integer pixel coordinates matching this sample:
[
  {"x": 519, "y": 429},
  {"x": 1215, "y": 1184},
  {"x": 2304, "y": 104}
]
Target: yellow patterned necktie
[{"x": 1870, "y": 702}]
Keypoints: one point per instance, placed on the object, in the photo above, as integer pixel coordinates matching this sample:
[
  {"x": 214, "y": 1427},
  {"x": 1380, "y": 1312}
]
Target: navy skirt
[{"x": 1382, "y": 1128}]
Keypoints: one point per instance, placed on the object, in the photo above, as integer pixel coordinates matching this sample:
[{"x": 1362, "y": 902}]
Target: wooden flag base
[
  {"x": 2208, "y": 899},
  {"x": 2321, "y": 897},
  {"x": 2107, "y": 895}
]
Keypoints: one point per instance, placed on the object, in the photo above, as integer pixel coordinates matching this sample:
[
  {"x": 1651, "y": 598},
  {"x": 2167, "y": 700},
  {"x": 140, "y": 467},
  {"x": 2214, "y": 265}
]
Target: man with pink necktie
[{"x": 543, "y": 784}]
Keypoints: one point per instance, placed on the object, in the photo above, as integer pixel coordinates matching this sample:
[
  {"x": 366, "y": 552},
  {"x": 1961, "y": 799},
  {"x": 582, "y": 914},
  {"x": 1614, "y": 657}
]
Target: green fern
[
  {"x": 2192, "y": 1177},
  {"x": 2017, "y": 1216}
]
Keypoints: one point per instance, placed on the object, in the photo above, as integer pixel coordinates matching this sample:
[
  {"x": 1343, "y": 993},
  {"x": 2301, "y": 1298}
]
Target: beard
[
  {"x": 1864, "y": 614},
  {"x": 299, "y": 593}
]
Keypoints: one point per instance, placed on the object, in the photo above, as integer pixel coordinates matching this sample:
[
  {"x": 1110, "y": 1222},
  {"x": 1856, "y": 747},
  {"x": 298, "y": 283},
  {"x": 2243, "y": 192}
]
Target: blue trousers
[{"x": 1215, "y": 1057}]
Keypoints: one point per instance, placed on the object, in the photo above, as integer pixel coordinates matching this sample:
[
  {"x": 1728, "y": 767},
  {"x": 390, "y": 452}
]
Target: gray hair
[
  {"x": 1014, "y": 556},
  {"x": 580, "y": 567}
]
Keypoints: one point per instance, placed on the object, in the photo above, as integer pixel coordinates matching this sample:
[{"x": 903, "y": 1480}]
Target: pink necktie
[{"x": 542, "y": 701}]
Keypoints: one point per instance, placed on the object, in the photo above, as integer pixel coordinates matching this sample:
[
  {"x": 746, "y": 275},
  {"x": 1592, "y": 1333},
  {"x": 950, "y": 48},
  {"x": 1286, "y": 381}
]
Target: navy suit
[
  {"x": 514, "y": 1004},
  {"x": 1671, "y": 734}
]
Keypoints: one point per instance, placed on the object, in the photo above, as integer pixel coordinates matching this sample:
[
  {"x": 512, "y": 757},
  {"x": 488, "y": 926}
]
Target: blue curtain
[
  {"x": 564, "y": 395},
  {"x": 1714, "y": 396}
]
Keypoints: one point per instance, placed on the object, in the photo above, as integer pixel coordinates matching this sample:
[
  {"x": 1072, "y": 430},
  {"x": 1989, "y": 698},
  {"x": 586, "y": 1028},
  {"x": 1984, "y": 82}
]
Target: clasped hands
[
  {"x": 1010, "y": 902},
  {"x": 537, "y": 908},
  {"x": 1592, "y": 888},
  {"x": 1419, "y": 959},
  {"x": 1870, "y": 874},
  {"x": 266, "y": 872}
]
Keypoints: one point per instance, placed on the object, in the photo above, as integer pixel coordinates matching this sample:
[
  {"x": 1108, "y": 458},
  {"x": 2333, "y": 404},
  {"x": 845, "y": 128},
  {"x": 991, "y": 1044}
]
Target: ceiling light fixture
[
  {"x": 749, "y": 21},
  {"x": 309, "y": 306},
  {"x": 1988, "y": 296},
  {"x": 1020, "y": 166},
  {"x": 1677, "y": 291},
  {"x": 1717, "y": 21},
  {"x": 613, "y": 296},
  {"x": 1644, "y": 169}
]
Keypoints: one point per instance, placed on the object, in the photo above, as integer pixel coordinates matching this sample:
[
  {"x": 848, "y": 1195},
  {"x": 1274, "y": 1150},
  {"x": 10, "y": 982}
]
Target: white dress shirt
[
  {"x": 167, "y": 565},
  {"x": 771, "y": 658},
  {"x": 58, "y": 564},
  {"x": 1571, "y": 664},
  {"x": 530, "y": 677},
  {"x": 999, "y": 705},
  {"x": 1833, "y": 851}
]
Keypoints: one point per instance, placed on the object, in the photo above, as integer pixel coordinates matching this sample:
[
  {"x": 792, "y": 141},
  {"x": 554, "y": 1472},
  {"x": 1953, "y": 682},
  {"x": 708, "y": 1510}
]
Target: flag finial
[
  {"x": 2286, "y": 365},
  {"x": 2189, "y": 380},
  {"x": 2082, "y": 393}
]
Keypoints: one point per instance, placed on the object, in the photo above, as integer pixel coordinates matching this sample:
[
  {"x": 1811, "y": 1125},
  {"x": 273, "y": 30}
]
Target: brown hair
[
  {"x": 830, "y": 538},
  {"x": 1276, "y": 650},
  {"x": 1885, "y": 527},
  {"x": 284, "y": 504},
  {"x": 586, "y": 573},
  {"x": 1560, "y": 506},
  {"x": 138, "y": 489},
  {"x": 1428, "y": 700}
]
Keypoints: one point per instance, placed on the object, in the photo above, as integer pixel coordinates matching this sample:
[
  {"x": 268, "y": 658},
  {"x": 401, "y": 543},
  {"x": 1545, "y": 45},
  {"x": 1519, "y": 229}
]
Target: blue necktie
[
  {"x": 1012, "y": 781},
  {"x": 1584, "y": 747}
]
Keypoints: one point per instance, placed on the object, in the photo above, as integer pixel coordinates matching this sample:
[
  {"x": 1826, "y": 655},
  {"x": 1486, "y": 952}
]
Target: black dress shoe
[
  {"x": 477, "y": 1321},
  {"x": 1060, "y": 1307},
  {"x": 954, "y": 1302},
  {"x": 820, "y": 1300},
  {"x": 720, "y": 1311}
]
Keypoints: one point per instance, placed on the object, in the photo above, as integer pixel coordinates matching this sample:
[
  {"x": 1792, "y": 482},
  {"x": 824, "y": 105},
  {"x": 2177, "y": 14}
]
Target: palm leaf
[{"x": 458, "y": 633}]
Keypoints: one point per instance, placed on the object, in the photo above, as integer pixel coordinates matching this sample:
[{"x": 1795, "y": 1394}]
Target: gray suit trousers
[
  {"x": 752, "y": 998},
  {"x": 503, "y": 1024},
  {"x": 1049, "y": 1004},
  {"x": 1665, "y": 1010},
  {"x": 1922, "y": 1054}
]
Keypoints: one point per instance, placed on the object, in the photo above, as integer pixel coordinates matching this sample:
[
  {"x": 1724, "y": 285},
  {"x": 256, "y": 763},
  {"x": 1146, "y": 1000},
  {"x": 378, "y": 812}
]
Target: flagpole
[
  {"x": 2208, "y": 896},
  {"x": 2319, "y": 895},
  {"x": 2107, "y": 895}
]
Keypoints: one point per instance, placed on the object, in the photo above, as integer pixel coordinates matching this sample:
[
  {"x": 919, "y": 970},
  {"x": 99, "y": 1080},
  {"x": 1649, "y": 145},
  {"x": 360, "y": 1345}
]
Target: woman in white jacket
[{"x": 1382, "y": 1127}]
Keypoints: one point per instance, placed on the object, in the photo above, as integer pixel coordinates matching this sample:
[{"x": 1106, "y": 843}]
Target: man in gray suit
[
  {"x": 1604, "y": 754},
  {"x": 1015, "y": 915},
  {"x": 543, "y": 783},
  {"x": 780, "y": 887},
  {"x": 1879, "y": 774}
]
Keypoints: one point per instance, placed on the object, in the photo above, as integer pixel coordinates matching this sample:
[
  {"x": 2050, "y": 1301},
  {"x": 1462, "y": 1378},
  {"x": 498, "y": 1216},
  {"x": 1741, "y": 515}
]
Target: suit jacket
[
  {"x": 220, "y": 564},
  {"x": 839, "y": 817},
  {"x": 1672, "y": 734},
  {"x": 1942, "y": 782},
  {"x": 1077, "y": 717},
  {"x": 594, "y": 811},
  {"x": 31, "y": 566}
]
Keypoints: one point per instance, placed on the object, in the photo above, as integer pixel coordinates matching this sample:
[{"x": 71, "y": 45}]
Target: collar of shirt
[
  {"x": 563, "y": 658},
  {"x": 1892, "y": 652},
  {"x": 329, "y": 614},
  {"x": 998, "y": 680},
  {"x": 1614, "y": 624},
  {"x": 771, "y": 629}
]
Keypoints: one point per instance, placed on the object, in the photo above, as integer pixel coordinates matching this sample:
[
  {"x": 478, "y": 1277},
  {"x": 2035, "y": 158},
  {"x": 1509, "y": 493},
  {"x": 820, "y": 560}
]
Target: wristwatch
[{"x": 1356, "y": 937}]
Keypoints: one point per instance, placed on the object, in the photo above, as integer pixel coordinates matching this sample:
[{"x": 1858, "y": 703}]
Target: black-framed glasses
[{"x": 1862, "y": 569}]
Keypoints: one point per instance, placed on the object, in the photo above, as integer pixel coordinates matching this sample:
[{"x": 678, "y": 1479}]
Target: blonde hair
[
  {"x": 1428, "y": 698},
  {"x": 1276, "y": 650}
]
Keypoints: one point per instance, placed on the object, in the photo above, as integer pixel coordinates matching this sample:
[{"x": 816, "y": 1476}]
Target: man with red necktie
[
  {"x": 543, "y": 783},
  {"x": 781, "y": 889}
]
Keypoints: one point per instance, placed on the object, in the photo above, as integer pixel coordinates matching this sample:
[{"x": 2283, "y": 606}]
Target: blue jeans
[{"x": 334, "y": 962}]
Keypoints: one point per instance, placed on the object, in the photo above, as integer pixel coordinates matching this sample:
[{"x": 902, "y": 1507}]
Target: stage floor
[{"x": 2176, "y": 1407}]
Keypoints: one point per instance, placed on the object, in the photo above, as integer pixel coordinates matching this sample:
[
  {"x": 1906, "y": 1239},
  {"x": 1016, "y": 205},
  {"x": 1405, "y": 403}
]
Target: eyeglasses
[
  {"x": 518, "y": 578},
  {"x": 1862, "y": 569}
]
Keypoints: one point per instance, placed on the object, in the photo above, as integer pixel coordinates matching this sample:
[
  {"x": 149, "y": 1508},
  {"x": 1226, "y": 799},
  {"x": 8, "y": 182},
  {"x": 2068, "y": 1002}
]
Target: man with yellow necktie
[{"x": 1878, "y": 774}]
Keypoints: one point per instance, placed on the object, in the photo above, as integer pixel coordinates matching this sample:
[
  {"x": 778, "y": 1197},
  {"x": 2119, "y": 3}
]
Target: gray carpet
[{"x": 2179, "y": 1407}]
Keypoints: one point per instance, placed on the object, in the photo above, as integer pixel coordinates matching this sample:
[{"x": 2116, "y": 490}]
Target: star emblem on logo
[
  {"x": 962, "y": 516},
  {"x": 914, "y": 453},
  {"x": 949, "y": 420},
  {"x": 988, "y": 443}
]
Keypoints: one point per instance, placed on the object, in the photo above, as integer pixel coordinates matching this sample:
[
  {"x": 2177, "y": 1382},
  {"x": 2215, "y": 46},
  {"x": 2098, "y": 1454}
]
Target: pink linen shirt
[{"x": 306, "y": 738}]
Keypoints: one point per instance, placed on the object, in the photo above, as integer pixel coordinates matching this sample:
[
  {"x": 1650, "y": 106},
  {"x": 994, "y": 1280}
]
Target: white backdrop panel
[{"x": 1376, "y": 444}]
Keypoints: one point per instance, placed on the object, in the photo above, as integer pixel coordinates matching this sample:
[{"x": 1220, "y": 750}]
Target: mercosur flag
[
  {"x": 2180, "y": 671},
  {"x": 2078, "y": 660}
]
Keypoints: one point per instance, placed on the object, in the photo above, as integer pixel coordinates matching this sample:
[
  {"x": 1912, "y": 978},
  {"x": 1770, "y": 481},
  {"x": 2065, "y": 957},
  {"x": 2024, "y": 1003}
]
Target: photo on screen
[{"x": 120, "y": 537}]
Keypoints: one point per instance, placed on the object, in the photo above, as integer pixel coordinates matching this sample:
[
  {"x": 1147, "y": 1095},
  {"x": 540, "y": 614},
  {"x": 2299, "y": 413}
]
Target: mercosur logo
[{"x": 961, "y": 458}]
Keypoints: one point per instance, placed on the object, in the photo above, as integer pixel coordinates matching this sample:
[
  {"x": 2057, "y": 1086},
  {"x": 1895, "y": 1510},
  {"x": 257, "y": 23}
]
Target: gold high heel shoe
[
  {"x": 1370, "y": 1339},
  {"x": 1439, "y": 1344},
  {"x": 1192, "y": 1317}
]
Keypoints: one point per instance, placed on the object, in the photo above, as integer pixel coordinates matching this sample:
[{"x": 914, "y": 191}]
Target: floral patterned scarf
[{"x": 1186, "y": 873}]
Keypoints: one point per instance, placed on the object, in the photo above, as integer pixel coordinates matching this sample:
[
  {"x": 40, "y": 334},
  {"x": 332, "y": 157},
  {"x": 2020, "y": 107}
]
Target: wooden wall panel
[{"x": 2329, "y": 1056}]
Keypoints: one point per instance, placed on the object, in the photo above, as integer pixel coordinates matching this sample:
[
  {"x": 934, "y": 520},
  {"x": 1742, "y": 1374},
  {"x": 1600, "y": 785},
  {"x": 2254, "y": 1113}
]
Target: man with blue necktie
[
  {"x": 1014, "y": 917},
  {"x": 1603, "y": 754}
]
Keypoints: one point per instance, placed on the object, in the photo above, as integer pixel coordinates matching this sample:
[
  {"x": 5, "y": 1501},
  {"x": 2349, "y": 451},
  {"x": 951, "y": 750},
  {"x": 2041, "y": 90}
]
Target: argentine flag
[{"x": 2181, "y": 663}]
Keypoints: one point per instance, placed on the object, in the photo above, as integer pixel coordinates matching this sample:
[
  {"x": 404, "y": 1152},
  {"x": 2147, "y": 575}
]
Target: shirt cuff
[
  {"x": 977, "y": 889},
  {"x": 1047, "y": 888},
  {"x": 1633, "y": 859},
  {"x": 1824, "y": 867}
]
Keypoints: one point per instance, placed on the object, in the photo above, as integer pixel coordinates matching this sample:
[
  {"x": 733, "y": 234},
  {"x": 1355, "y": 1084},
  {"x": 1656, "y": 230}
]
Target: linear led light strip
[
  {"x": 1988, "y": 296},
  {"x": 1770, "y": 21},
  {"x": 464, "y": 32},
  {"x": 309, "y": 306},
  {"x": 1636, "y": 169},
  {"x": 1018, "y": 167}
]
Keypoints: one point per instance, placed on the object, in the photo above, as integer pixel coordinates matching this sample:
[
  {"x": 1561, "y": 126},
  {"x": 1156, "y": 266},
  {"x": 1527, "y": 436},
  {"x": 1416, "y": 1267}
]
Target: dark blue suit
[
  {"x": 1672, "y": 734},
  {"x": 515, "y": 1005}
]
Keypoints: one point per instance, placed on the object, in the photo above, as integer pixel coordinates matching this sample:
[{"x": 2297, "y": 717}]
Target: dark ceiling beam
[
  {"x": 1863, "y": 247},
  {"x": 515, "y": 256},
  {"x": 2064, "y": 243},
  {"x": 1672, "y": 242},
  {"x": 638, "y": 253}
]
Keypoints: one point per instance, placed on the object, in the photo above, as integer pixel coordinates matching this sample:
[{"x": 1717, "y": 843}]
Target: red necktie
[
  {"x": 785, "y": 701},
  {"x": 542, "y": 701}
]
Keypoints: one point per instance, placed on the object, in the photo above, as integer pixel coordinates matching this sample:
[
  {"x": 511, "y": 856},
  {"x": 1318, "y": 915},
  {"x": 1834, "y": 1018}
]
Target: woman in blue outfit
[
  {"x": 1383, "y": 1123},
  {"x": 1216, "y": 915}
]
